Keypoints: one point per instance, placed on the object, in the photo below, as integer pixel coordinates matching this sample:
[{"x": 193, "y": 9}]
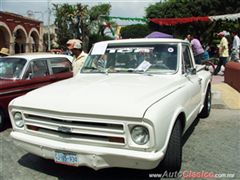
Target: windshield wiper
[
  {"x": 91, "y": 68},
  {"x": 96, "y": 69},
  {"x": 138, "y": 71}
]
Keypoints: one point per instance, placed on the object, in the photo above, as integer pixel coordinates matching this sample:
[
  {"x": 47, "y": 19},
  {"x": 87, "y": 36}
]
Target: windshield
[
  {"x": 151, "y": 58},
  {"x": 11, "y": 68}
]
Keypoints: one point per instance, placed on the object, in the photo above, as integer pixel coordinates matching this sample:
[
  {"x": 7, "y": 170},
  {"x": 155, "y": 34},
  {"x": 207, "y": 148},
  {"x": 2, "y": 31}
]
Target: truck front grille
[{"x": 80, "y": 129}]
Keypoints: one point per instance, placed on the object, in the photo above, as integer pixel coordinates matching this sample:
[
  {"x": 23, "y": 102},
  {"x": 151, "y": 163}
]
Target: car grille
[{"x": 71, "y": 128}]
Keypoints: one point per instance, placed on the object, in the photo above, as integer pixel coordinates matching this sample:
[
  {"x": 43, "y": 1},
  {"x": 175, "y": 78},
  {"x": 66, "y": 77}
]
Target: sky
[{"x": 123, "y": 8}]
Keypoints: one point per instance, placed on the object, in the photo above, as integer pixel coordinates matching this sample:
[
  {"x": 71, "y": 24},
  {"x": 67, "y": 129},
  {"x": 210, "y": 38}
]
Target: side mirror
[{"x": 193, "y": 71}]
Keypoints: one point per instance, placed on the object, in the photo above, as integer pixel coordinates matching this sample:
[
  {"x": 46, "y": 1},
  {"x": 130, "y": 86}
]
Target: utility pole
[{"x": 49, "y": 13}]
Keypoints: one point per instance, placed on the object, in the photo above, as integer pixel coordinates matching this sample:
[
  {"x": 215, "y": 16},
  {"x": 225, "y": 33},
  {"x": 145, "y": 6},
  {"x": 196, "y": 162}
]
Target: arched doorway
[
  {"x": 34, "y": 40},
  {"x": 20, "y": 40},
  {"x": 4, "y": 36}
]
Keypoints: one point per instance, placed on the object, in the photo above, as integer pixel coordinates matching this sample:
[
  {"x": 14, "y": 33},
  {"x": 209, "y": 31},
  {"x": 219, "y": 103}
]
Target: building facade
[{"x": 20, "y": 34}]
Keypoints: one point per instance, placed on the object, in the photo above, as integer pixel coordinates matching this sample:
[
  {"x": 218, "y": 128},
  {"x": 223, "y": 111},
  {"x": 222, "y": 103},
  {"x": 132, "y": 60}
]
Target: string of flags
[{"x": 174, "y": 21}]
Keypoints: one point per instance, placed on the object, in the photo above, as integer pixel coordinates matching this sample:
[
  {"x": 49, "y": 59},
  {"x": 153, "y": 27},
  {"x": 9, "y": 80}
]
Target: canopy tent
[{"x": 159, "y": 35}]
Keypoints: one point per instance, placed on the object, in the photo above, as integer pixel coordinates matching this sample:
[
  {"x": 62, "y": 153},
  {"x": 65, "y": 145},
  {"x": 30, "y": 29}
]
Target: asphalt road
[{"x": 212, "y": 147}]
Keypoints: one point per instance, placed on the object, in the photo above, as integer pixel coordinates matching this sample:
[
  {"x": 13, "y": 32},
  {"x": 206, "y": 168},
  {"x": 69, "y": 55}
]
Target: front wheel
[
  {"x": 207, "y": 104},
  {"x": 173, "y": 158},
  {"x": 2, "y": 120}
]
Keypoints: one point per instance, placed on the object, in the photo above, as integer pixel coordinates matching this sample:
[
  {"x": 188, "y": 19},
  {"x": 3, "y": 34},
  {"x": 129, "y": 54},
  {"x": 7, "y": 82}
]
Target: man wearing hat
[
  {"x": 75, "y": 46},
  {"x": 4, "y": 52},
  {"x": 223, "y": 52}
]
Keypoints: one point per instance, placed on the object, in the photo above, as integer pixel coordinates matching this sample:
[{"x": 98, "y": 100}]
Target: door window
[
  {"x": 60, "y": 65},
  {"x": 37, "y": 68},
  {"x": 187, "y": 61}
]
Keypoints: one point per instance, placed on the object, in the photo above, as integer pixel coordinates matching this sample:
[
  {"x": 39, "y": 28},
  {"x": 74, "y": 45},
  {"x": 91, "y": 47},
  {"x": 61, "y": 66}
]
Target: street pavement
[
  {"x": 211, "y": 146},
  {"x": 223, "y": 94}
]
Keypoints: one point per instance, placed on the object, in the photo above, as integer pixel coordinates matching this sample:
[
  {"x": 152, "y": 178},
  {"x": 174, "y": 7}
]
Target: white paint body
[{"x": 115, "y": 100}]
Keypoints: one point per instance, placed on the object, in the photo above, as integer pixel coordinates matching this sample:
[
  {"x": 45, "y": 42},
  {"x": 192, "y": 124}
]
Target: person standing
[
  {"x": 235, "y": 47},
  {"x": 223, "y": 52},
  {"x": 197, "y": 48},
  {"x": 79, "y": 56},
  {"x": 187, "y": 38}
]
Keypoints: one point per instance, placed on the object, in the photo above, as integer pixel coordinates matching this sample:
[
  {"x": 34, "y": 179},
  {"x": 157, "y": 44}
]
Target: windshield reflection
[
  {"x": 151, "y": 58},
  {"x": 11, "y": 68}
]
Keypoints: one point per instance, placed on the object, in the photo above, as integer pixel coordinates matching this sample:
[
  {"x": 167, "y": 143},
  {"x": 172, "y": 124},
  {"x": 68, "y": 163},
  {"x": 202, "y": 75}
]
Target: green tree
[
  {"x": 135, "y": 31},
  {"x": 78, "y": 21}
]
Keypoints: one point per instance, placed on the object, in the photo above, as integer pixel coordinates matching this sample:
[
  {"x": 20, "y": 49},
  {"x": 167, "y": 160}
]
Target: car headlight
[
  {"x": 140, "y": 135},
  {"x": 18, "y": 119}
]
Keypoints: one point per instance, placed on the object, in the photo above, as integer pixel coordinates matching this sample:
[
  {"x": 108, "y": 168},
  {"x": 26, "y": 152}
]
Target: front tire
[
  {"x": 173, "y": 158},
  {"x": 207, "y": 104},
  {"x": 2, "y": 120}
]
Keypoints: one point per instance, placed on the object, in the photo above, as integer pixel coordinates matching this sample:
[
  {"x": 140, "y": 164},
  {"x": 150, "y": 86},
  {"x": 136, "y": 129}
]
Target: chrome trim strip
[{"x": 14, "y": 91}]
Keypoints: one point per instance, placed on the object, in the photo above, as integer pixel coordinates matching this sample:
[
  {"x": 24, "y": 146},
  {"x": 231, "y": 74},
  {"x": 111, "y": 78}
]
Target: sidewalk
[{"x": 224, "y": 96}]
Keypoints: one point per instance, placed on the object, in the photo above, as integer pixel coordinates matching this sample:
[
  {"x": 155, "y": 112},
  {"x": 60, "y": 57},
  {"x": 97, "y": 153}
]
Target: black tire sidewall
[
  {"x": 173, "y": 157},
  {"x": 3, "y": 122},
  {"x": 205, "y": 111}
]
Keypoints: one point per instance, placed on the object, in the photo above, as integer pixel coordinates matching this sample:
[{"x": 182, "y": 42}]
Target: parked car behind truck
[
  {"x": 24, "y": 72},
  {"x": 129, "y": 107}
]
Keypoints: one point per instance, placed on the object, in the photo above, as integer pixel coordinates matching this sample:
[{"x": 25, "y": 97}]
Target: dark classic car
[{"x": 22, "y": 73}]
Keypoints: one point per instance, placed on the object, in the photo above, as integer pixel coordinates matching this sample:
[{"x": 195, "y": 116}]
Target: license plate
[{"x": 66, "y": 158}]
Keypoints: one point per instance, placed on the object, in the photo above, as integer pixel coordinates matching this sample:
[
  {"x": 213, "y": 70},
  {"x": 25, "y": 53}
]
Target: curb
[{"x": 225, "y": 96}]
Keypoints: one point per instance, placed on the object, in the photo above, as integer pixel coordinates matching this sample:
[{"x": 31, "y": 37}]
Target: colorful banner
[
  {"x": 230, "y": 17},
  {"x": 174, "y": 21},
  {"x": 125, "y": 18}
]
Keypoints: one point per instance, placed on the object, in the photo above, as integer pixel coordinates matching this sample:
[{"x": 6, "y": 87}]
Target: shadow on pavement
[{"x": 190, "y": 131}]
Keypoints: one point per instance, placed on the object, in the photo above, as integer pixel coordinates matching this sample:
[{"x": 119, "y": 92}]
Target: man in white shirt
[
  {"x": 79, "y": 56},
  {"x": 235, "y": 47}
]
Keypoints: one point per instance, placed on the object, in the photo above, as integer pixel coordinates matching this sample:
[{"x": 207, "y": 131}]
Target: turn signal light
[
  {"x": 34, "y": 128},
  {"x": 116, "y": 139}
]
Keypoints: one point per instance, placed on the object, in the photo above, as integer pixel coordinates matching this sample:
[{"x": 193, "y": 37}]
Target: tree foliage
[
  {"x": 135, "y": 31},
  {"x": 79, "y": 21},
  {"x": 194, "y": 8}
]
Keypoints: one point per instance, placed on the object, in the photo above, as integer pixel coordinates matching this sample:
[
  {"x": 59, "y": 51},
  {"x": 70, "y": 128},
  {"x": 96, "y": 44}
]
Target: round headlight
[
  {"x": 140, "y": 135},
  {"x": 18, "y": 119}
]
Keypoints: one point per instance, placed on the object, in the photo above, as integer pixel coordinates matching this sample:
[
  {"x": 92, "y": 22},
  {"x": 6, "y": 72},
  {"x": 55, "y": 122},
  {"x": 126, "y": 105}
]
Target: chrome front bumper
[{"x": 95, "y": 157}]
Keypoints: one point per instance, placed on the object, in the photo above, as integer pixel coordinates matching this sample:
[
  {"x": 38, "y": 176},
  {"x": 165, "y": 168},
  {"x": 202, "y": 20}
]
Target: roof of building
[{"x": 19, "y": 16}]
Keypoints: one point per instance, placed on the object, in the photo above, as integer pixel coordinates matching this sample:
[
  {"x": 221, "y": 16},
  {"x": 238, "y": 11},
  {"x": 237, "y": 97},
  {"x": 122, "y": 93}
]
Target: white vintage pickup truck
[{"x": 128, "y": 107}]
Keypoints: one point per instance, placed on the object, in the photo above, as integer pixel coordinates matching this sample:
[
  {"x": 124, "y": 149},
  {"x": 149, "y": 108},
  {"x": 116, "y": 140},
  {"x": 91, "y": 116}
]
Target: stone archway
[
  {"x": 20, "y": 36},
  {"x": 5, "y": 36},
  {"x": 33, "y": 40}
]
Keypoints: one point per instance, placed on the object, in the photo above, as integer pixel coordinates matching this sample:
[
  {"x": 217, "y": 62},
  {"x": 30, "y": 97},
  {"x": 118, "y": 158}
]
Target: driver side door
[{"x": 192, "y": 86}]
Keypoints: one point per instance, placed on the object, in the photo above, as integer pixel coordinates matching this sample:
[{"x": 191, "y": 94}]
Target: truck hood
[{"x": 126, "y": 95}]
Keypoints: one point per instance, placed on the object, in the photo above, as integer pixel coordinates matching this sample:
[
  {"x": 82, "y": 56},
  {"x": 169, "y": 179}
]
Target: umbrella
[{"x": 159, "y": 35}]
